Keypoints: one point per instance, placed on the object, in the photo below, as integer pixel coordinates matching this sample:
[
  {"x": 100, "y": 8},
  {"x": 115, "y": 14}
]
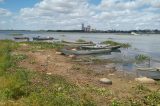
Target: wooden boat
[
  {"x": 68, "y": 42},
  {"x": 21, "y": 38},
  {"x": 84, "y": 52},
  {"x": 153, "y": 73},
  {"x": 100, "y": 47},
  {"x": 43, "y": 38},
  {"x": 77, "y": 45}
]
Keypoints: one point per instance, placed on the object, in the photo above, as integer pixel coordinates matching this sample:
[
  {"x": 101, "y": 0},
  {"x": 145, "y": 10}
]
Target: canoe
[
  {"x": 84, "y": 52},
  {"x": 21, "y": 38},
  {"x": 68, "y": 42},
  {"x": 100, "y": 47},
  {"x": 77, "y": 45},
  {"x": 153, "y": 73},
  {"x": 43, "y": 38}
]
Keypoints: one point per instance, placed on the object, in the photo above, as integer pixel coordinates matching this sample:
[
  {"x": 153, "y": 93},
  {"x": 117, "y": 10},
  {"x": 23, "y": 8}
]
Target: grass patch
[
  {"x": 99, "y": 91},
  {"x": 141, "y": 58},
  {"x": 153, "y": 99},
  {"x": 141, "y": 89},
  {"x": 24, "y": 87},
  {"x": 81, "y": 40},
  {"x": 113, "y": 43},
  {"x": 46, "y": 45}
]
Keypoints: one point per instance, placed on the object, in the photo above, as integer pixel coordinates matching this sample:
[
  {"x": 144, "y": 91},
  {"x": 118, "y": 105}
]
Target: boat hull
[
  {"x": 96, "y": 48},
  {"x": 77, "y": 45},
  {"x": 22, "y": 38},
  {"x": 43, "y": 38},
  {"x": 149, "y": 72},
  {"x": 67, "y": 42},
  {"x": 84, "y": 52}
]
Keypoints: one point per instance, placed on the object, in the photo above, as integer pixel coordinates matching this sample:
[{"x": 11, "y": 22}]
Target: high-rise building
[
  {"x": 83, "y": 28},
  {"x": 88, "y": 28}
]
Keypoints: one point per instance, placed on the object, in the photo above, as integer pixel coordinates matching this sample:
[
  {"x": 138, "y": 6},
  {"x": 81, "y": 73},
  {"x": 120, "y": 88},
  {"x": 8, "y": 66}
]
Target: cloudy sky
[{"x": 69, "y": 14}]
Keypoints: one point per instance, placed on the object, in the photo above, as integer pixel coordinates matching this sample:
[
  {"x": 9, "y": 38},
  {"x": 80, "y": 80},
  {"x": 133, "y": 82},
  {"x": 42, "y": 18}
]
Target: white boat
[{"x": 133, "y": 33}]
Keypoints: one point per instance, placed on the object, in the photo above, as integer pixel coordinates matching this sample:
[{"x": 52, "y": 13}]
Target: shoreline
[{"x": 43, "y": 61}]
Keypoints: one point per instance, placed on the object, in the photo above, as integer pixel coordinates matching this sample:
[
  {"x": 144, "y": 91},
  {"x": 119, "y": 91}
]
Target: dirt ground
[{"x": 49, "y": 62}]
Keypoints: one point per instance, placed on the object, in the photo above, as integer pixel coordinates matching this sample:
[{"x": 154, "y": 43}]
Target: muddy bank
[{"x": 79, "y": 72}]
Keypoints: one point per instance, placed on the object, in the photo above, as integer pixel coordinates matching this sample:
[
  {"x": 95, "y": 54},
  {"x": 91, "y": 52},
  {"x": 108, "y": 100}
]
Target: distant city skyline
[{"x": 70, "y": 14}]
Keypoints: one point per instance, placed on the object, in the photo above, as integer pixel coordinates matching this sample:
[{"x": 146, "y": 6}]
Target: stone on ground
[
  {"x": 58, "y": 53},
  {"x": 105, "y": 81},
  {"x": 145, "y": 80},
  {"x": 72, "y": 56},
  {"x": 49, "y": 73}
]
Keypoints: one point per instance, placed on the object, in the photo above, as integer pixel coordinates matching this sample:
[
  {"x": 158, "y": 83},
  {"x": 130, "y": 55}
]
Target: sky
[{"x": 70, "y": 14}]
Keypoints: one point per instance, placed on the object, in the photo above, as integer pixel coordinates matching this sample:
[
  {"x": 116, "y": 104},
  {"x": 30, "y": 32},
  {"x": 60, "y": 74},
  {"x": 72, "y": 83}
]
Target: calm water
[{"x": 147, "y": 44}]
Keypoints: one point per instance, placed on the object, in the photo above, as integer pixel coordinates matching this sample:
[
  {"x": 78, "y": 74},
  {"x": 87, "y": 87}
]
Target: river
[{"x": 146, "y": 44}]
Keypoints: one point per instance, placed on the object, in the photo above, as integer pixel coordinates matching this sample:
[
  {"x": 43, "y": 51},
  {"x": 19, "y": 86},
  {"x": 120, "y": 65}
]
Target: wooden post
[{"x": 149, "y": 64}]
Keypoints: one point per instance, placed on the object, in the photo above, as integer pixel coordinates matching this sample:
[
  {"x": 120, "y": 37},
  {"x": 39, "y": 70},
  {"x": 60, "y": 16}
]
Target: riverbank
[{"x": 34, "y": 74}]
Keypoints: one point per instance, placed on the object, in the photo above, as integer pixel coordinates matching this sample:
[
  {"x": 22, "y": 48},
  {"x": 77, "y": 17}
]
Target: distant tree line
[
  {"x": 147, "y": 31},
  {"x": 112, "y": 31}
]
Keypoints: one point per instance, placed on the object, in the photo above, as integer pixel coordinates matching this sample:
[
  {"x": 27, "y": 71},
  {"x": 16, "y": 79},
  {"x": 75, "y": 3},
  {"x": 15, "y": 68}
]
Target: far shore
[{"x": 98, "y": 31}]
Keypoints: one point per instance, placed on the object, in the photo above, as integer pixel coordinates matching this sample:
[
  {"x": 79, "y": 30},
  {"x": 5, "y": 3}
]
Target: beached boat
[
  {"x": 43, "y": 38},
  {"x": 153, "y": 73},
  {"x": 22, "y": 38},
  {"x": 96, "y": 47},
  {"x": 77, "y": 45},
  {"x": 84, "y": 52},
  {"x": 68, "y": 42}
]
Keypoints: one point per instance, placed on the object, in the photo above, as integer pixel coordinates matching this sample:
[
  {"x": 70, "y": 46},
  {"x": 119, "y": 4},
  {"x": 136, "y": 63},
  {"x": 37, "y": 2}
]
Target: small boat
[
  {"x": 43, "y": 38},
  {"x": 96, "y": 47},
  {"x": 68, "y": 42},
  {"x": 84, "y": 52},
  {"x": 133, "y": 33},
  {"x": 153, "y": 73},
  {"x": 77, "y": 45},
  {"x": 21, "y": 38}
]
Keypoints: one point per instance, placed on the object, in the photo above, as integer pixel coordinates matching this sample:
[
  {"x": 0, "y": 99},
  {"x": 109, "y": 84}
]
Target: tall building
[
  {"x": 88, "y": 29},
  {"x": 83, "y": 28}
]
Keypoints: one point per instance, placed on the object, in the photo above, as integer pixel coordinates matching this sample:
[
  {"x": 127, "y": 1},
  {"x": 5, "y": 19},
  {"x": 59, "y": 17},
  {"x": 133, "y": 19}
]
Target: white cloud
[
  {"x": 4, "y": 12},
  {"x": 57, "y": 13},
  {"x": 69, "y": 14}
]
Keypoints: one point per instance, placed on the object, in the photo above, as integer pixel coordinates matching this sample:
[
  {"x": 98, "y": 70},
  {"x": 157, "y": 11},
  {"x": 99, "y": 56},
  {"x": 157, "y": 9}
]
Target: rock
[
  {"x": 49, "y": 73},
  {"x": 72, "y": 56},
  {"x": 58, "y": 53},
  {"x": 106, "y": 81},
  {"x": 145, "y": 80},
  {"x": 111, "y": 74},
  {"x": 74, "y": 49},
  {"x": 24, "y": 44}
]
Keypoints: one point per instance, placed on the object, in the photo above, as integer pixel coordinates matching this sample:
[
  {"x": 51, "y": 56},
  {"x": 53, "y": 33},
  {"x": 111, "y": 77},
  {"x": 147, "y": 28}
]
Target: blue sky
[
  {"x": 69, "y": 14},
  {"x": 16, "y": 5}
]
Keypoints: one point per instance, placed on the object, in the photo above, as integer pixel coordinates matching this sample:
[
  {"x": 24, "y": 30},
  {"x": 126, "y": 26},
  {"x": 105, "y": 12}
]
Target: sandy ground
[{"x": 48, "y": 61}]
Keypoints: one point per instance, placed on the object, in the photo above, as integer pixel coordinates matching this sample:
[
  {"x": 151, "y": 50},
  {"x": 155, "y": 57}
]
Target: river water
[{"x": 146, "y": 44}]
